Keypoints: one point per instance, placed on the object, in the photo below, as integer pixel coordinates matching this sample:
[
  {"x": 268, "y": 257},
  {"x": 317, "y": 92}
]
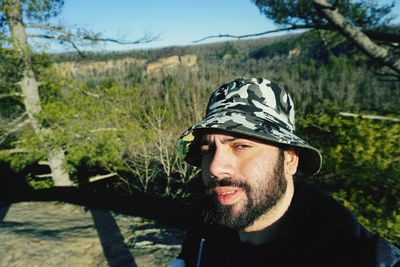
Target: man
[{"x": 259, "y": 213}]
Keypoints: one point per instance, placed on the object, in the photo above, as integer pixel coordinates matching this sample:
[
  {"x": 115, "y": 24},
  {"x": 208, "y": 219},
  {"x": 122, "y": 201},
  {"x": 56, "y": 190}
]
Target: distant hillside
[
  {"x": 318, "y": 73},
  {"x": 153, "y": 54},
  {"x": 108, "y": 64}
]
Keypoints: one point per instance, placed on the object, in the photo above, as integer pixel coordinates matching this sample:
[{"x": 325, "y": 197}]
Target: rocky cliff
[
  {"x": 84, "y": 70},
  {"x": 170, "y": 63}
]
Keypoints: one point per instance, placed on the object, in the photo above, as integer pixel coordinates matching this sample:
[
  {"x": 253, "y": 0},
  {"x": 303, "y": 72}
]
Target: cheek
[
  {"x": 257, "y": 169},
  {"x": 250, "y": 167}
]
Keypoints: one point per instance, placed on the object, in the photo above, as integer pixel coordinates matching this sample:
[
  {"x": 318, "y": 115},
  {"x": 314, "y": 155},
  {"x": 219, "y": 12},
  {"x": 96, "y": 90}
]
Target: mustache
[{"x": 214, "y": 183}]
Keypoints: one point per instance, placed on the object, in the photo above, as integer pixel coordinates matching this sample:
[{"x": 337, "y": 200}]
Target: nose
[{"x": 218, "y": 165}]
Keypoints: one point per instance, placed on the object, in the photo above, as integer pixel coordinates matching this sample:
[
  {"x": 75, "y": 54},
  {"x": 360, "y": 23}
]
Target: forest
[{"x": 118, "y": 115}]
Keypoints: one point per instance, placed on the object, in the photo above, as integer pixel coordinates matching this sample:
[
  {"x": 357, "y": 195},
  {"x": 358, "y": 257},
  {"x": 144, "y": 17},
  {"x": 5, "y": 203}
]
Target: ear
[{"x": 291, "y": 161}]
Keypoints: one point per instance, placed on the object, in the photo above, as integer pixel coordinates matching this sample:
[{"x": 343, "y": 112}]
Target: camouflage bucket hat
[{"x": 256, "y": 108}]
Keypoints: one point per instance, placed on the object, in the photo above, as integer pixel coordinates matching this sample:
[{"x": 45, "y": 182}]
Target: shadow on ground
[{"x": 101, "y": 201}]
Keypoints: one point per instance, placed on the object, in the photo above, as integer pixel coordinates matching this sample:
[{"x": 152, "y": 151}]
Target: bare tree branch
[
  {"x": 143, "y": 40},
  {"x": 48, "y": 175},
  {"x": 17, "y": 124},
  {"x": 75, "y": 39},
  {"x": 378, "y": 36},
  {"x": 361, "y": 40},
  {"x": 294, "y": 27},
  {"x": 20, "y": 118},
  {"x": 371, "y": 117},
  {"x": 91, "y": 94},
  {"x": 68, "y": 37},
  {"x": 14, "y": 150},
  {"x": 13, "y": 126},
  {"x": 60, "y": 33},
  {"x": 56, "y": 28},
  {"x": 15, "y": 94},
  {"x": 100, "y": 177},
  {"x": 387, "y": 77},
  {"x": 113, "y": 129},
  {"x": 61, "y": 38}
]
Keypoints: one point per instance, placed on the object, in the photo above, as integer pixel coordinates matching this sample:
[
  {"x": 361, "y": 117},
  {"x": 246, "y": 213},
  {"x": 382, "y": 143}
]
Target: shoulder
[
  {"x": 318, "y": 207},
  {"x": 334, "y": 227}
]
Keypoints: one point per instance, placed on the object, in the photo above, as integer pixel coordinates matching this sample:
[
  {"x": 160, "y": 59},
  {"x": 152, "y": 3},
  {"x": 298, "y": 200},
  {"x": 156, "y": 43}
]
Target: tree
[
  {"x": 360, "y": 22},
  {"x": 29, "y": 85},
  {"x": 13, "y": 14},
  {"x": 364, "y": 23}
]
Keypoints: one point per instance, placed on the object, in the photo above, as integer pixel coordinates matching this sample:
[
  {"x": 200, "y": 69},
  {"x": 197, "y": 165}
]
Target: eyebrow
[{"x": 224, "y": 141}]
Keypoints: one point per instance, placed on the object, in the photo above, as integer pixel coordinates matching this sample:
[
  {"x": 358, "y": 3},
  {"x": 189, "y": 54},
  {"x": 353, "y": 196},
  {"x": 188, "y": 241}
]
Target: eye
[{"x": 241, "y": 146}]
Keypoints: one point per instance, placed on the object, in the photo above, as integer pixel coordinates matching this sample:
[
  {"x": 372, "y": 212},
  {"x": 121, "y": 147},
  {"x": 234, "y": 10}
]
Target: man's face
[{"x": 244, "y": 178}]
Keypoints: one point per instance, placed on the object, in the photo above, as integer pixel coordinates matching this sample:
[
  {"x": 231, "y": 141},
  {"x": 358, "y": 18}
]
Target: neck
[{"x": 267, "y": 225}]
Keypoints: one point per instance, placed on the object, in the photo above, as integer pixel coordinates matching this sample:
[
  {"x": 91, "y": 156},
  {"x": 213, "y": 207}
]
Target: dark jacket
[{"x": 315, "y": 231}]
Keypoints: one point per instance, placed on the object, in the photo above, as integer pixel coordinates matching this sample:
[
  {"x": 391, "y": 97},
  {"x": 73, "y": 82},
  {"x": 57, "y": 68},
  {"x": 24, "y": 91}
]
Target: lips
[{"x": 228, "y": 195}]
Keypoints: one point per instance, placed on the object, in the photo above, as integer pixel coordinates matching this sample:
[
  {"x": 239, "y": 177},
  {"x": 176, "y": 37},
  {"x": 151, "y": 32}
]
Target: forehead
[
  {"x": 207, "y": 133},
  {"x": 209, "y": 136}
]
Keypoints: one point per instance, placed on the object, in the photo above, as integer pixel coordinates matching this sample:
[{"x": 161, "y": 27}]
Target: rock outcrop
[
  {"x": 173, "y": 62},
  {"x": 294, "y": 53},
  {"x": 95, "y": 68},
  {"x": 123, "y": 66}
]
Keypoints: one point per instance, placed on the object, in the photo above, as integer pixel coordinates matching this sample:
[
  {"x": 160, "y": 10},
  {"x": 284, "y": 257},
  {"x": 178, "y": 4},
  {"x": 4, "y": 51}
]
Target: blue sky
[{"x": 177, "y": 22}]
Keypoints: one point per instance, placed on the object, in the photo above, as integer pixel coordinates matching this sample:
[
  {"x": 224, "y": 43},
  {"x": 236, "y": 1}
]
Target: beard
[{"x": 267, "y": 190}]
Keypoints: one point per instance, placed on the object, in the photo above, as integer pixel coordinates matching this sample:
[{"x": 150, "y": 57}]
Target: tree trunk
[
  {"x": 30, "y": 88},
  {"x": 361, "y": 40}
]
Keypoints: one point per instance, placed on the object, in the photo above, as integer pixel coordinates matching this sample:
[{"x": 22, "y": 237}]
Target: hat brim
[{"x": 239, "y": 122}]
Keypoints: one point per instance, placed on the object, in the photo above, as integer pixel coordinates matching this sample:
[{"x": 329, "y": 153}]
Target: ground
[{"x": 51, "y": 233}]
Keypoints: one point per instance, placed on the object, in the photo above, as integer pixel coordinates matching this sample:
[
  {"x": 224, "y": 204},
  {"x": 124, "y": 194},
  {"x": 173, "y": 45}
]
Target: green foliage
[
  {"x": 275, "y": 49},
  {"x": 41, "y": 10},
  {"x": 227, "y": 51},
  {"x": 361, "y": 166},
  {"x": 11, "y": 106},
  {"x": 41, "y": 183},
  {"x": 364, "y": 14},
  {"x": 9, "y": 70},
  {"x": 92, "y": 123},
  {"x": 105, "y": 127}
]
